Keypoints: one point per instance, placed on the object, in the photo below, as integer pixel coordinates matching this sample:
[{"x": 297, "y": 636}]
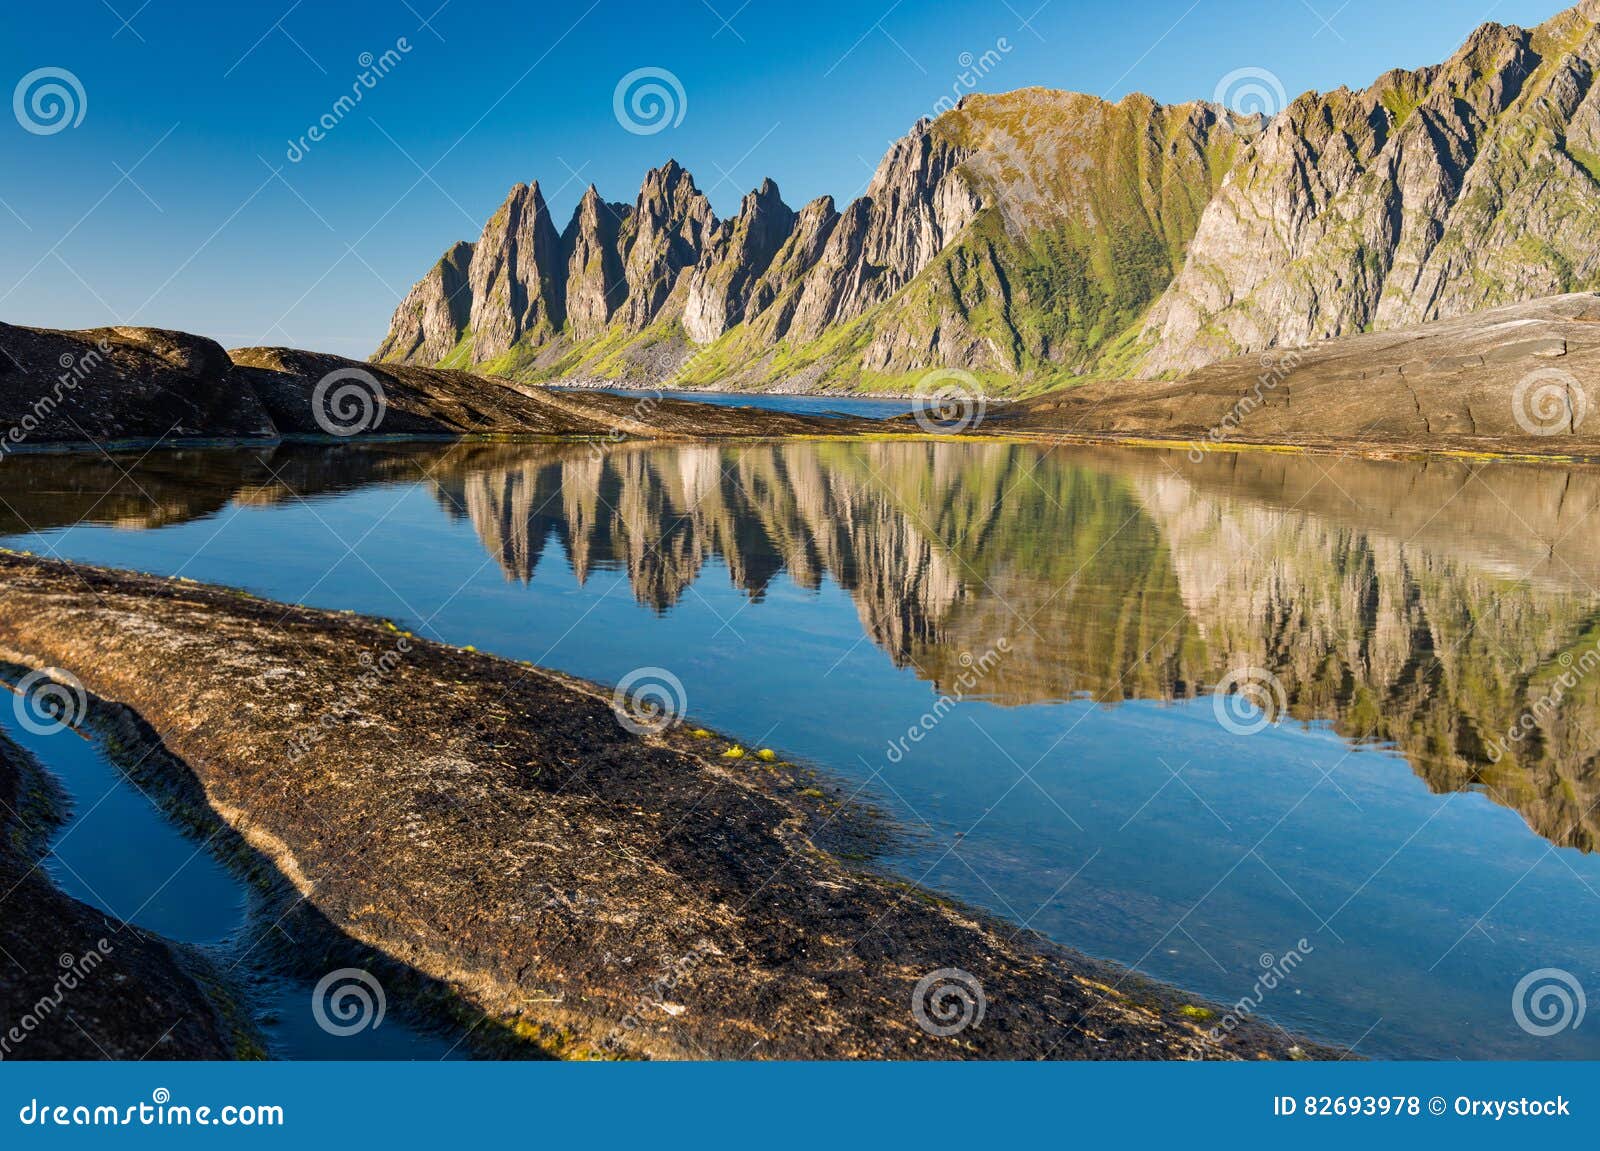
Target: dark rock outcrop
[
  {"x": 109, "y": 384},
  {"x": 144, "y": 386}
]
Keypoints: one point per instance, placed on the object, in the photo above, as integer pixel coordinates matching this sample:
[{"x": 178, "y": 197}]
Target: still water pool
[
  {"x": 1198, "y": 718},
  {"x": 117, "y": 851}
]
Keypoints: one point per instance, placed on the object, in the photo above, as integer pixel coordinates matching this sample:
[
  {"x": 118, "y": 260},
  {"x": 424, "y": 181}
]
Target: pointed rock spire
[
  {"x": 671, "y": 228},
  {"x": 516, "y": 283},
  {"x": 721, "y": 285},
  {"x": 596, "y": 284},
  {"x": 430, "y": 320}
]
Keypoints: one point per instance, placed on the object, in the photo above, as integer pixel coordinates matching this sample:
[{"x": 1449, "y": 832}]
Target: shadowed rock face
[
  {"x": 120, "y": 384},
  {"x": 595, "y": 282},
  {"x": 435, "y": 311},
  {"x": 671, "y": 226},
  {"x": 1424, "y": 605},
  {"x": 723, "y": 283}
]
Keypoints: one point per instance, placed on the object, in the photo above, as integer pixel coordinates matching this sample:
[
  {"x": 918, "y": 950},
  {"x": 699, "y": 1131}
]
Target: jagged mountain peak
[
  {"x": 1037, "y": 236},
  {"x": 595, "y": 284},
  {"x": 667, "y": 274},
  {"x": 429, "y": 321},
  {"x": 526, "y": 193},
  {"x": 765, "y": 193},
  {"x": 592, "y": 210},
  {"x": 723, "y": 283},
  {"x": 669, "y": 178}
]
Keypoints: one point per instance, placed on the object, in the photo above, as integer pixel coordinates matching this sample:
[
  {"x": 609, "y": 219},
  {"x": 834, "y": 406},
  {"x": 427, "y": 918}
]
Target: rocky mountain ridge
[
  {"x": 1038, "y": 238},
  {"x": 1430, "y": 195},
  {"x": 966, "y": 249}
]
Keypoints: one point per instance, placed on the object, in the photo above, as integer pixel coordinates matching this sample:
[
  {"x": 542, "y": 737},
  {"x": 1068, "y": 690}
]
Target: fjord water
[
  {"x": 861, "y": 407},
  {"x": 1372, "y": 820}
]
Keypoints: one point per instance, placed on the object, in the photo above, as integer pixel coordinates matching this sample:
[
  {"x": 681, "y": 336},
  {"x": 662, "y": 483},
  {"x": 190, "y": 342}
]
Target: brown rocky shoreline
[
  {"x": 1513, "y": 381},
  {"x": 139, "y": 386},
  {"x": 493, "y": 828}
]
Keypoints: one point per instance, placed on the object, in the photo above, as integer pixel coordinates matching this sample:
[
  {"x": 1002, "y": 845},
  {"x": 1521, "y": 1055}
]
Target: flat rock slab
[{"x": 493, "y": 826}]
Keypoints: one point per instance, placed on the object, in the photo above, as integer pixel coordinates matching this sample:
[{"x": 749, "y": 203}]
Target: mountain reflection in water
[
  {"x": 1430, "y": 606},
  {"x": 1411, "y": 614}
]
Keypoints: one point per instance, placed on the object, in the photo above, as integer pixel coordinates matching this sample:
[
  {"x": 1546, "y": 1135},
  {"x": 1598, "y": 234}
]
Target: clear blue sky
[{"x": 161, "y": 207}]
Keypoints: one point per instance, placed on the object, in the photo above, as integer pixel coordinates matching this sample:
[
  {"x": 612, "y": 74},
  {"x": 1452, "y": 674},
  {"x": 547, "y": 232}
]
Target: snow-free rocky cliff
[{"x": 1039, "y": 236}]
